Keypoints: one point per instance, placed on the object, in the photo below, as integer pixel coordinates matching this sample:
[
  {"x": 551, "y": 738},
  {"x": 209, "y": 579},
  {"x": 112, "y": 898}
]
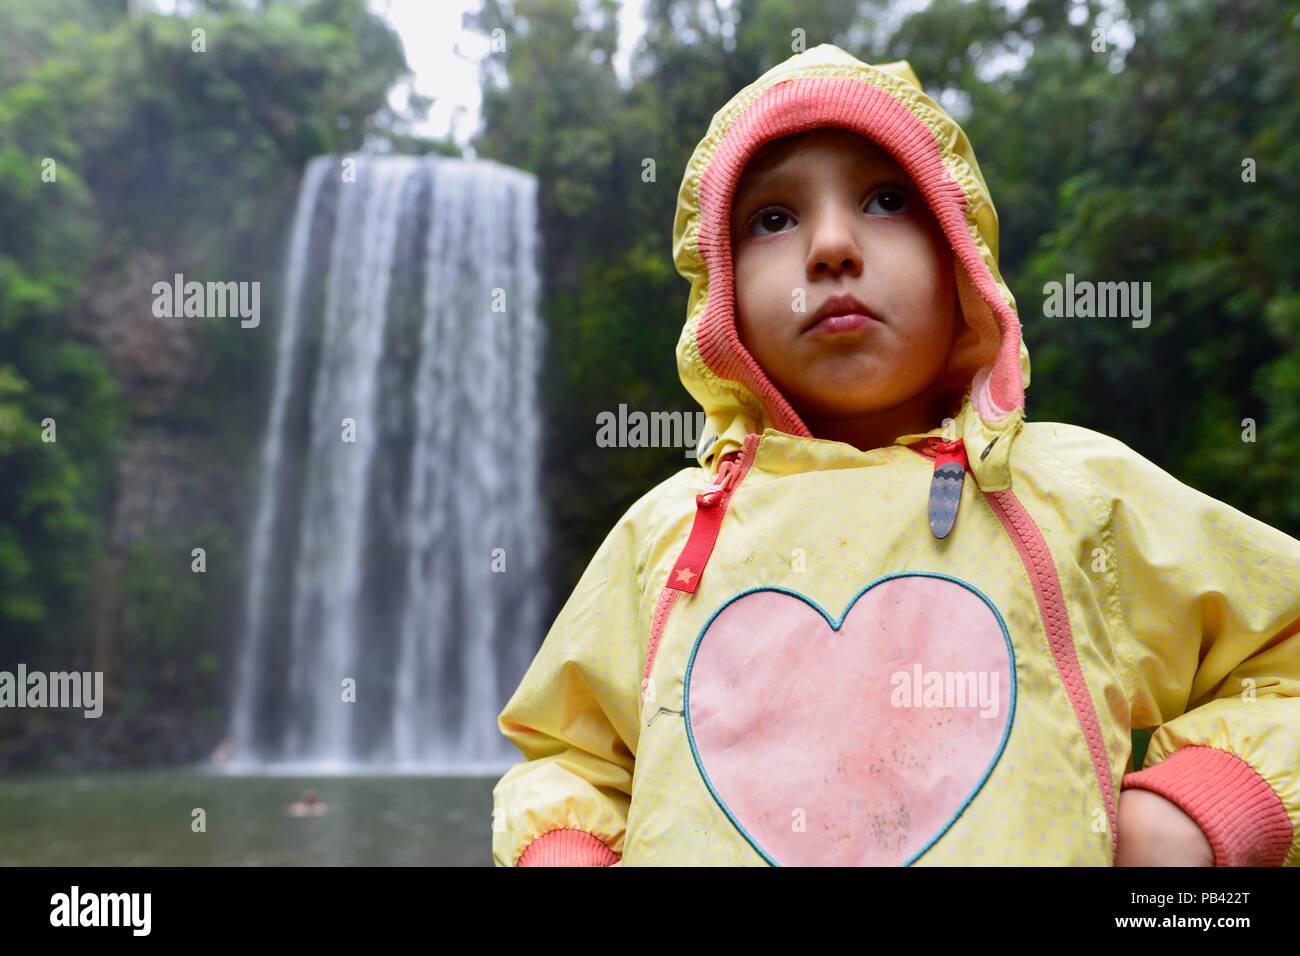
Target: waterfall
[{"x": 394, "y": 593}]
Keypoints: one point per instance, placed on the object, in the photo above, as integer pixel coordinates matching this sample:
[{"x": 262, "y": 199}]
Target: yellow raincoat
[{"x": 775, "y": 659}]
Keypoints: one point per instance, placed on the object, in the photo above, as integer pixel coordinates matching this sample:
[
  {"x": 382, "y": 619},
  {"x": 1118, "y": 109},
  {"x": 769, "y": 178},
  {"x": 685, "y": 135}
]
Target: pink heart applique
[{"x": 850, "y": 743}]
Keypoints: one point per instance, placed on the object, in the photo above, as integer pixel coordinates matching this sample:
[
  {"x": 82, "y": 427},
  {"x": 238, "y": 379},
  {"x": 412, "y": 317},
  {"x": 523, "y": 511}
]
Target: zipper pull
[
  {"x": 950, "y": 466},
  {"x": 711, "y": 495},
  {"x": 710, "y": 505}
]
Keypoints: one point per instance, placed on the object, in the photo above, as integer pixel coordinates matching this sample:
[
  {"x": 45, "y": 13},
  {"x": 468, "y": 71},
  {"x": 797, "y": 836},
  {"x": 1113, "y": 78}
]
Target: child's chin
[{"x": 837, "y": 406}]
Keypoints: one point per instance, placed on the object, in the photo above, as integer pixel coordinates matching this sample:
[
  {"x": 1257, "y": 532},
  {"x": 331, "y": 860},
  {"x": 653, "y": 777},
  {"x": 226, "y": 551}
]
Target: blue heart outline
[{"x": 835, "y": 626}]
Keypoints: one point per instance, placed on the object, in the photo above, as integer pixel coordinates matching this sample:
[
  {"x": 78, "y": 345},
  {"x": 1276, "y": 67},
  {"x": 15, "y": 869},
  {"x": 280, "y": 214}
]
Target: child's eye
[
  {"x": 770, "y": 220},
  {"x": 888, "y": 202}
]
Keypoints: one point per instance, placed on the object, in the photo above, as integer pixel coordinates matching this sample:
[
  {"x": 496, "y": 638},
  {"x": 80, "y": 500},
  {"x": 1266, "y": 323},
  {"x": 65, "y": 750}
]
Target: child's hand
[{"x": 1154, "y": 831}]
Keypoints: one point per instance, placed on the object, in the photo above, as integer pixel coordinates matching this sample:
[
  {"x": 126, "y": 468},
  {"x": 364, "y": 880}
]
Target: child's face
[{"x": 837, "y": 215}]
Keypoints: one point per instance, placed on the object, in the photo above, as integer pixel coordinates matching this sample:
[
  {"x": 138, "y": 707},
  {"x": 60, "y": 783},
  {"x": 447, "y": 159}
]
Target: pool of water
[{"x": 148, "y": 819}]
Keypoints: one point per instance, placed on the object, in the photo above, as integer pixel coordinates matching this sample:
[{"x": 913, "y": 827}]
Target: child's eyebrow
[{"x": 772, "y": 174}]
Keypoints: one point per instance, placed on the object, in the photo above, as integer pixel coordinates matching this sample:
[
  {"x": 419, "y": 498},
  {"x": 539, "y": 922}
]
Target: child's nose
[{"x": 834, "y": 248}]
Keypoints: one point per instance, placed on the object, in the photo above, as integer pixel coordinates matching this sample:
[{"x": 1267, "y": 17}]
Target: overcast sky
[{"x": 445, "y": 58}]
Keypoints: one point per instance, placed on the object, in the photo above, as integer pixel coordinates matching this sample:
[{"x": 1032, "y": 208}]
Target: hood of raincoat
[{"x": 825, "y": 86}]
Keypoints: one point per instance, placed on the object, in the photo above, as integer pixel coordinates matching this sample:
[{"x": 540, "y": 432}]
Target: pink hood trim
[{"x": 806, "y": 103}]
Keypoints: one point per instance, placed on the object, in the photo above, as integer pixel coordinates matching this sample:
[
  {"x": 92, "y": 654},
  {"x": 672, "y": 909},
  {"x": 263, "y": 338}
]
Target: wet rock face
[
  {"x": 152, "y": 359},
  {"x": 163, "y": 485},
  {"x": 170, "y": 475},
  {"x": 159, "y": 631}
]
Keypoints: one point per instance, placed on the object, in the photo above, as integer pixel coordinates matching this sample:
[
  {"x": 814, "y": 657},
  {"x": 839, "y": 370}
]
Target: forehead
[{"x": 779, "y": 157}]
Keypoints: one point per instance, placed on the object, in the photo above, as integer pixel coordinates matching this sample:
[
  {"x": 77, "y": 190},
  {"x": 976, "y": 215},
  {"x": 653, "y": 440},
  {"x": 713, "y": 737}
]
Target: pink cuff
[
  {"x": 567, "y": 846},
  {"x": 1238, "y": 810}
]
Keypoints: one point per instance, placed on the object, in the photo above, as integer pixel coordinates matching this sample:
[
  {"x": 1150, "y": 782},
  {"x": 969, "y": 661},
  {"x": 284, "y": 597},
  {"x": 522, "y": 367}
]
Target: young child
[{"x": 886, "y": 620}]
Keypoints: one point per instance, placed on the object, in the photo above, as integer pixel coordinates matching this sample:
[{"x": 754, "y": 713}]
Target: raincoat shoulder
[{"x": 1205, "y": 602}]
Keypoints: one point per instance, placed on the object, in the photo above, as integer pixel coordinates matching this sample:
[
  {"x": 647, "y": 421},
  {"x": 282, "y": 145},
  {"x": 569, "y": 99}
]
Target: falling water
[{"x": 393, "y": 597}]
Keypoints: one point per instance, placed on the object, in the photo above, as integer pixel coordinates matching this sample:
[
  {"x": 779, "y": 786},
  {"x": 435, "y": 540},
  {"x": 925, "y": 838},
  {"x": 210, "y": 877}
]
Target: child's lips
[
  {"x": 841, "y": 313},
  {"x": 838, "y": 324}
]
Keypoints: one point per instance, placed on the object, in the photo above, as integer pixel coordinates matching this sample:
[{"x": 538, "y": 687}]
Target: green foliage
[
  {"x": 120, "y": 143},
  {"x": 1157, "y": 194},
  {"x": 168, "y": 602},
  {"x": 1141, "y": 741},
  {"x": 52, "y": 493},
  {"x": 1116, "y": 165}
]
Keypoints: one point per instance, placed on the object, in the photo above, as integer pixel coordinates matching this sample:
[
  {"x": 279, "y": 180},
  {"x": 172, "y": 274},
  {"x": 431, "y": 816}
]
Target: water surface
[{"x": 145, "y": 819}]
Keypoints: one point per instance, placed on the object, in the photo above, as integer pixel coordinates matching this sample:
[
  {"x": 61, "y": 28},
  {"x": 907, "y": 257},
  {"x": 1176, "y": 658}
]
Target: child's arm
[
  {"x": 573, "y": 716},
  {"x": 1207, "y": 600}
]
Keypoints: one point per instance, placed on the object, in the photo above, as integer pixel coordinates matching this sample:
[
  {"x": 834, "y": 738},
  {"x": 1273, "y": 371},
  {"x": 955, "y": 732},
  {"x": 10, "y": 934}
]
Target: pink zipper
[
  {"x": 710, "y": 508},
  {"x": 1036, "y": 556}
]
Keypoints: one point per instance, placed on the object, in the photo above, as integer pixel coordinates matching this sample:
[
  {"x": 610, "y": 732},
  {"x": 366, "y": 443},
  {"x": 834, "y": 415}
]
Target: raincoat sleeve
[
  {"x": 1208, "y": 602},
  {"x": 574, "y": 718}
]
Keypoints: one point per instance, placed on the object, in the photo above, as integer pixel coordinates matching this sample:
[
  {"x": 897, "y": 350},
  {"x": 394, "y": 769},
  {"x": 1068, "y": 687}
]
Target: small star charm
[{"x": 685, "y": 575}]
